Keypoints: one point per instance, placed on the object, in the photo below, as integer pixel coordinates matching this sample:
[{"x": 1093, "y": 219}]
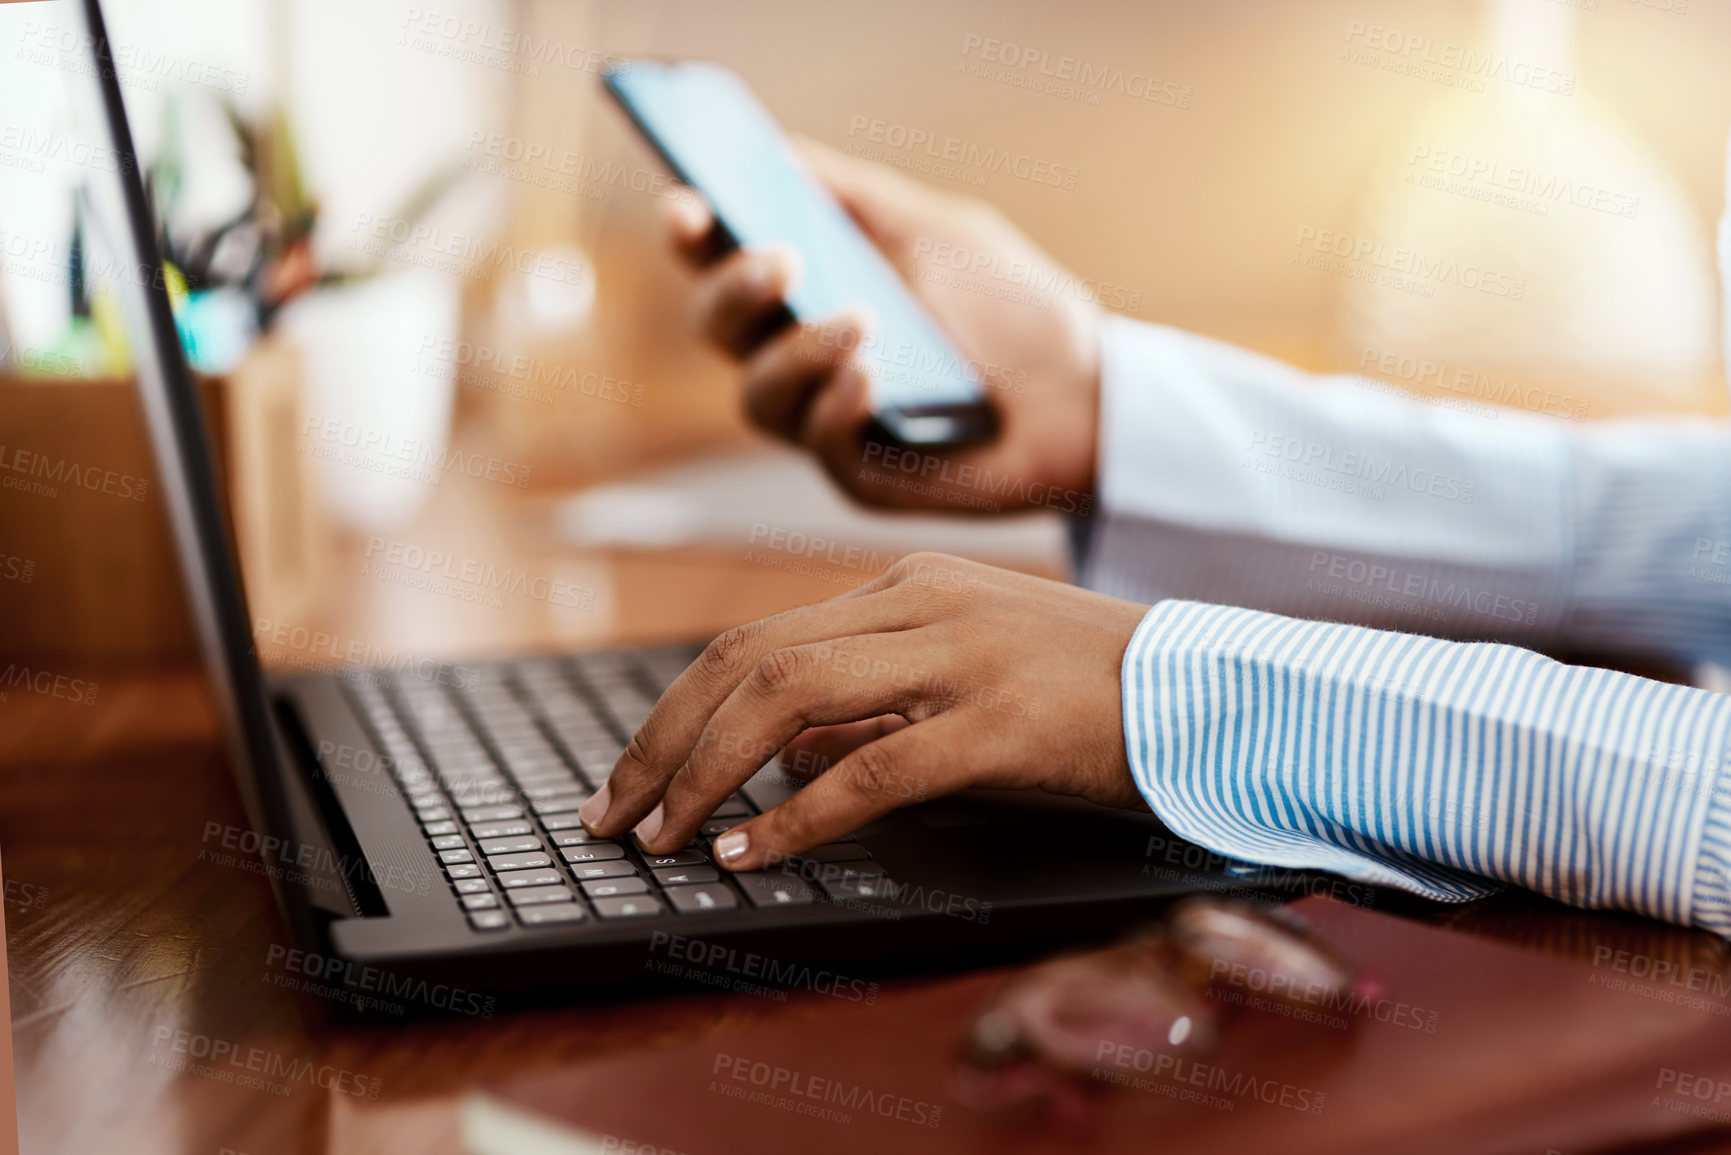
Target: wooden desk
[{"x": 135, "y": 928}]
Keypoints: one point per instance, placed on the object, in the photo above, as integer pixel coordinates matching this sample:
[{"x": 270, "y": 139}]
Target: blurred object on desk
[
  {"x": 283, "y": 535},
  {"x": 378, "y": 402},
  {"x": 89, "y": 569},
  {"x": 777, "y": 502}
]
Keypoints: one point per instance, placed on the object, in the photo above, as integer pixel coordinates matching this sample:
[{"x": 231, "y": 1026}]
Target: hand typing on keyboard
[{"x": 952, "y": 675}]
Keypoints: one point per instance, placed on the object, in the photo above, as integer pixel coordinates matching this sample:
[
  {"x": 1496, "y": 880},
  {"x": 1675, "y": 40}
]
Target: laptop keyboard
[{"x": 495, "y": 771}]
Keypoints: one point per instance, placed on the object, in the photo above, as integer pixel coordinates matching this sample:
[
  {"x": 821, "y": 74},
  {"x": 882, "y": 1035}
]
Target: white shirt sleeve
[{"x": 1231, "y": 477}]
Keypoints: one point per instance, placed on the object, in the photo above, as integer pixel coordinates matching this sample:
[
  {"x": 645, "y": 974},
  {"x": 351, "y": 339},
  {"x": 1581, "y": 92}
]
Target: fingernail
[
  {"x": 690, "y": 217},
  {"x": 775, "y": 270},
  {"x": 857, "y": 320},
  {"x": 731, "y": 846},
  {"x": 594, "y": 811},
  {"x": 651, "y": 826}
]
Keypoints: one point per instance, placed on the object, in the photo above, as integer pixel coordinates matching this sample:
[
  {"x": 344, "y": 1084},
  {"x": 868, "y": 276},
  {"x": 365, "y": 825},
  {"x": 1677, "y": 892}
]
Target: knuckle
[
  {"x": 780, "y": 670},
  {"x": 929, "y": 576},
  {"x": 637, "y": 750},
  {"x": 926, "y": 558},
  {"x": 794, "y": 828},
  {"x": 686, "y": 789},
  {"x": 637, "y": 760},
  {"x": 723, "y": 656},
  {"x": 873, "y": 771}
]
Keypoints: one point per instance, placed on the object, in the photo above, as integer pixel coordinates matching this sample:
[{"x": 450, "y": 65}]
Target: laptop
[{"x": 420, "y": 830}]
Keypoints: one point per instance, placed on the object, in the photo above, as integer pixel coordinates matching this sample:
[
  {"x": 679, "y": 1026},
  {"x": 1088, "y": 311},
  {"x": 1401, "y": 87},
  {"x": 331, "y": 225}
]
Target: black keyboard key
[
  {"x": 617, "y": 868},
  {"x": 564, "y": 804},
  {"x": 501, "y": 829},
  {"x": 542, "y": 765},
  {"x": 480, "y": 900},
  {"x": 716, "y": 827},
  {"x": 549, "y": 792},
  {"x": 567, "y": 821},
  {"x": 433, "y": 814},
  {"x": 835, "y": 852},
  {"x": 464, "y": 870},
  {"x": 491, "y": 813},
  {"x": 577, "y": 837},
  {"x": 677, "y": 858},
  {"x": 453, "y": 856},
  {"x": 861, "y": 886},
  {"x": 695, "y": 899},
  {"x": 769, "y": 788},
  {"x": 685, "y": 875},
  {"x": 767, "y": 888},
  {"x": 519, "y": 861},
  {"x": 614, "y": 887},
  {"x": 443, "y": 826},
  {"x": 489, "y": 919},
  {"x": 470, "y": 885},
  {"x": 543, "y": 768},
  {"x": 534, "y": 895},
  {"x": 469, "y": 769},
  {"x": 510, "y": 845},
  {"x": 552, "y": 914},
  {"x": 630, "y": 906},
  {"x": 597, "y": 768},
  {"x": 525, "y": 747},
  {"x": 543, "y": 783},
  {"x": 542, "y": 876},
  {"x": 449, "y": 842},
  {"x": 537, "y": 762},
  {"x": 824, "y": 872},
  {"x": 593, "y": 852},
  {"x": 471, "y": 796}
]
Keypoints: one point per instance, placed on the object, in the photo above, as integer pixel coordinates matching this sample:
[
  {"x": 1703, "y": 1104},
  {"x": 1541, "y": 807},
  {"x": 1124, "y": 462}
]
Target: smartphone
[{"x": 718, "y": 138}]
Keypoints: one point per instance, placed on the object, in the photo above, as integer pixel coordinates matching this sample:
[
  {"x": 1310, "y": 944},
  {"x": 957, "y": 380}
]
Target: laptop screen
[{"x": 119, "y": 217}]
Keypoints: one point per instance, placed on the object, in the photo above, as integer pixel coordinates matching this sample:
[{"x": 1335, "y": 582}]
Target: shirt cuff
[
  {"x": 1169, "y": 740},
  {"x": 1710, "y": 900}
]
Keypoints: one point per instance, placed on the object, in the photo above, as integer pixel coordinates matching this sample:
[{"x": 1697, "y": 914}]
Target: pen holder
[{"x": 88, "y": 566}]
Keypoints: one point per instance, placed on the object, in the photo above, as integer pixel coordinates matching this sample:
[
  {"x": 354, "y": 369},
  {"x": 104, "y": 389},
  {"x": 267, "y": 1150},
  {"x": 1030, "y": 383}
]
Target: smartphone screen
[{"x": 719, "y": 139}]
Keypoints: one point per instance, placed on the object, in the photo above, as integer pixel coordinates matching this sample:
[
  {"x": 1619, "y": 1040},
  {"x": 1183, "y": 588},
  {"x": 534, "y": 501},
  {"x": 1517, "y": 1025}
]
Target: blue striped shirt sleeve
[{"x": 1442, "y": 768}]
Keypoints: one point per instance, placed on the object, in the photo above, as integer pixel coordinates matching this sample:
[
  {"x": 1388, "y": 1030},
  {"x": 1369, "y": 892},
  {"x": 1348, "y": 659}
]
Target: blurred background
[{"x": 425, "y": 272}]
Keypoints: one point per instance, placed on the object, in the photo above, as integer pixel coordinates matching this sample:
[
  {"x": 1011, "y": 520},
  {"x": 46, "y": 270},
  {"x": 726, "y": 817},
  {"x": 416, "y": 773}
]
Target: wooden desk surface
[{"x": 128, "y": 924}]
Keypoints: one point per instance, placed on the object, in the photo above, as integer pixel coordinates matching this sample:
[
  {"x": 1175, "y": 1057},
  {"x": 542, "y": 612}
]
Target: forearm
[
  {"x": 1429, "y": 765},
  {"x": 1235, "y": 478}
]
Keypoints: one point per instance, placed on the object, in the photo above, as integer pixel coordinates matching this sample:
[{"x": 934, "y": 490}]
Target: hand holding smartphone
[{"x": 715, "y": 136}]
